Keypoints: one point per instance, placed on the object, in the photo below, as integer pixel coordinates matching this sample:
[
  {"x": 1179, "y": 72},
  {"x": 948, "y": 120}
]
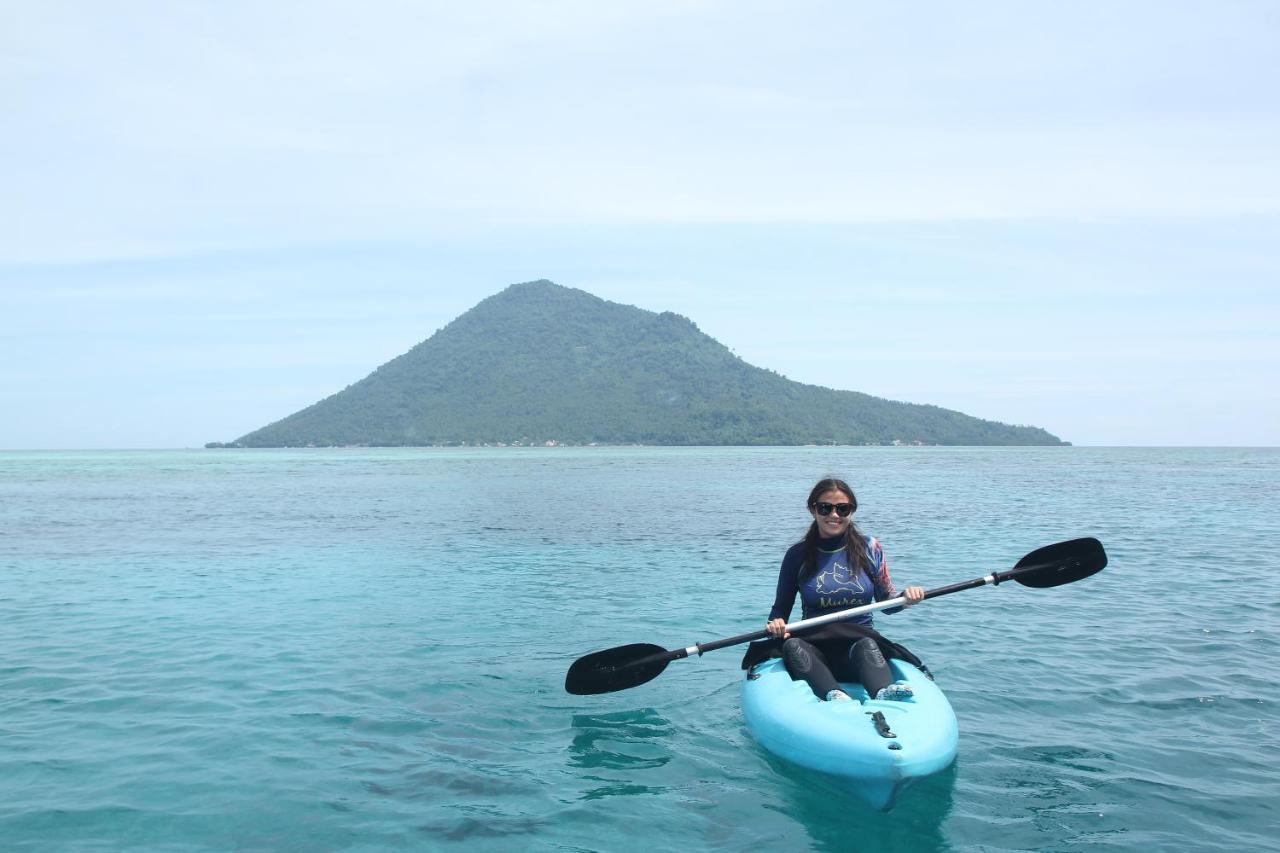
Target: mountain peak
[{"x": 540, "y": 286}]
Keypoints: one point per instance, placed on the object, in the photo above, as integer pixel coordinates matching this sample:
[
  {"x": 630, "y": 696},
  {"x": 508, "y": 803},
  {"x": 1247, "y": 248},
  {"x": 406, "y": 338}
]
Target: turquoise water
[{"x": 365, "y": 649}]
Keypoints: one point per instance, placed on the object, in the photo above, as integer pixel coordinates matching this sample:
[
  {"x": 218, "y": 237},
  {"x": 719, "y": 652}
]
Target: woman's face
[{"x": 832, "y": 524}]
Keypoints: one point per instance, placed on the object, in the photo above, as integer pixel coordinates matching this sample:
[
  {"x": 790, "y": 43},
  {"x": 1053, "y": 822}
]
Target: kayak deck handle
[{"x": 882, "y": 725}]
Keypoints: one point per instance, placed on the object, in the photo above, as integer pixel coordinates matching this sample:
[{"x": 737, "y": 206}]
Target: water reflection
[
  {"x": 615, "y": 747},
  {"x": 836, "y": 819},
  {"x": 623, "y": 740}
]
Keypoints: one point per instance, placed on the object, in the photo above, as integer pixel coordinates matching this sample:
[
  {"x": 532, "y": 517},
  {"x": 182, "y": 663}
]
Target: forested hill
[{"x": 542, "y": 363}]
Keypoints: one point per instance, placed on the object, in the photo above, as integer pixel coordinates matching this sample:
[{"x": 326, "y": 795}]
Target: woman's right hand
[{"x": 777, "y": 628}]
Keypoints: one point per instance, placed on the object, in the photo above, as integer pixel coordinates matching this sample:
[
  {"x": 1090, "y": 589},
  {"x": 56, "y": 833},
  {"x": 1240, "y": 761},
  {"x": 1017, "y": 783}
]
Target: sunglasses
[{"x": 824, "y": 509}]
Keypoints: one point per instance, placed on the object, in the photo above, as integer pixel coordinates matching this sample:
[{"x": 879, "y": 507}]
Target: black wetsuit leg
[
  {"x": 821, "y": 664},
  {"x": 871, "y": 667},
  {"x": 804, "y": 660}
]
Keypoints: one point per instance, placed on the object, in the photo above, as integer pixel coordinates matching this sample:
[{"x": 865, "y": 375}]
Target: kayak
[{"x": 875, "y": 748}]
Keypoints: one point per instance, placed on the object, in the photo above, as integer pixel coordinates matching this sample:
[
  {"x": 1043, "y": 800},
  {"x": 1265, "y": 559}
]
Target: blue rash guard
[{"x": 832, "y": 587}]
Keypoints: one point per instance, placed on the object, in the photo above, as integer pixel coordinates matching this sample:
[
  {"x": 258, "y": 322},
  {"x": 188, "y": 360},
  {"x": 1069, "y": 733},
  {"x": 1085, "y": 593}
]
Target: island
[{"x": 539, "y": 364}]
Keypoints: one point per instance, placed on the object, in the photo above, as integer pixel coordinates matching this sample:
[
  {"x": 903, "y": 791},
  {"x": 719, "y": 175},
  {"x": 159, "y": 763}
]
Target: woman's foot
[
  {"x": 838, "y": 696},
  {"x": 895, "y": 692}
]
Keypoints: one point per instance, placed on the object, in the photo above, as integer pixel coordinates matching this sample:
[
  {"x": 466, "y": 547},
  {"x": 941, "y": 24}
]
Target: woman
[{"x": 835, "y": 568}]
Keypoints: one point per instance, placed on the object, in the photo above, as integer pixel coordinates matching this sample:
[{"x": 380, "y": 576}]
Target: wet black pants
[{"x": 825, "y": 663}]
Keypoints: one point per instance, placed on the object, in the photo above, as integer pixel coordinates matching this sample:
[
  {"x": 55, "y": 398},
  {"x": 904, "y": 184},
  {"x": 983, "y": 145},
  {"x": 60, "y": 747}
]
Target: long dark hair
[{"x": 855, "y": 544}]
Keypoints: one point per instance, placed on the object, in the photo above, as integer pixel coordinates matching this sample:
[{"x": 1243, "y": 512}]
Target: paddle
[{"x": 632, "y": 665}]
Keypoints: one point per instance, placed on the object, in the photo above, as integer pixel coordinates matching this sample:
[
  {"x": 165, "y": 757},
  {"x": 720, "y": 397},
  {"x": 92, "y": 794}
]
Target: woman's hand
[
  {"x": 777, "y": 628},
  {"x": 913, "y": 595}
]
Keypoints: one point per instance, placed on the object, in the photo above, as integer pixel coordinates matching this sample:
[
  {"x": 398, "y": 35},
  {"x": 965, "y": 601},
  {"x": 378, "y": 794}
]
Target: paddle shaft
[{"x": 993, "y": 578}]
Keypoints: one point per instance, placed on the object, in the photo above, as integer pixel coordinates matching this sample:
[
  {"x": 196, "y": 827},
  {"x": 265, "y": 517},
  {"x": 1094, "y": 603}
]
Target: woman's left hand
[{"x": 913, "y": 595}]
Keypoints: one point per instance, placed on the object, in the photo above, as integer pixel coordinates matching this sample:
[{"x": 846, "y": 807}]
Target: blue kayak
[{"x": 875, "y": 748}]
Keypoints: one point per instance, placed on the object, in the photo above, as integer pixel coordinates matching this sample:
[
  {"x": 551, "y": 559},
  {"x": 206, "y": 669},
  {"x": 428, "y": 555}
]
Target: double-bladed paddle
[{"x": 628, "y": 666}]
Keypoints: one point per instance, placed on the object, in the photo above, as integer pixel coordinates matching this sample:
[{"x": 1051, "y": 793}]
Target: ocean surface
[{"x": 365, "y": 649}]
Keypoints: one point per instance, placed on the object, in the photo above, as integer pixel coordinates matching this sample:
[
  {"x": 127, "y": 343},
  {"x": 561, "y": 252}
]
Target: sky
[{"x": 1058, "y": 214}]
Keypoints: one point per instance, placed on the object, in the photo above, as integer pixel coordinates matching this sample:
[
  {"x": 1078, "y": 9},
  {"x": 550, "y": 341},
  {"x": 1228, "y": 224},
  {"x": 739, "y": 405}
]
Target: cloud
[{"x": 154, "y": 128}]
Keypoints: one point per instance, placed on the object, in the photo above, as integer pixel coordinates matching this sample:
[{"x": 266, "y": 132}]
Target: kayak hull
[{"x": 840, "y": 739}]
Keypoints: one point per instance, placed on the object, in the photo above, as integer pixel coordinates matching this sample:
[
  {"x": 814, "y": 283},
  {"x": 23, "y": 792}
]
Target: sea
[{"x": 365, "y": 649}]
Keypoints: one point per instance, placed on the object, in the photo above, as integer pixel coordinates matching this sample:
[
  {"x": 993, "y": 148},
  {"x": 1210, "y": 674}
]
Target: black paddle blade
[
  {"x": 1054, "y": 565},
  {"x": 616, "y": 669}
]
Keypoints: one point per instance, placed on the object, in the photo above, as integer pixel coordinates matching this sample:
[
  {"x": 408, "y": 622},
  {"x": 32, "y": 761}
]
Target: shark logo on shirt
[{"x": 836, "y": 588}]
